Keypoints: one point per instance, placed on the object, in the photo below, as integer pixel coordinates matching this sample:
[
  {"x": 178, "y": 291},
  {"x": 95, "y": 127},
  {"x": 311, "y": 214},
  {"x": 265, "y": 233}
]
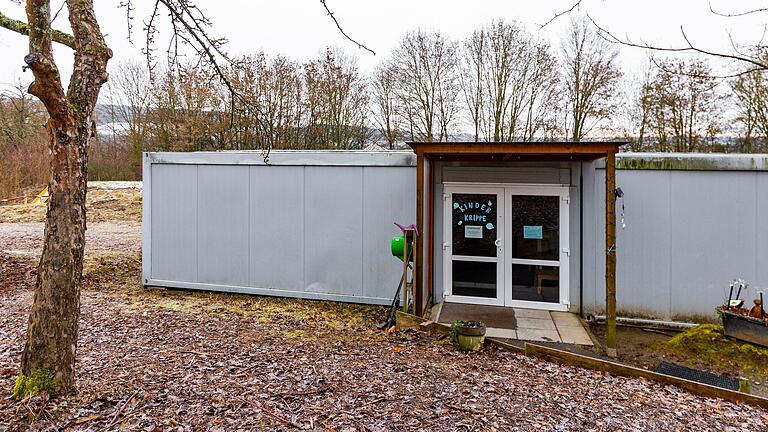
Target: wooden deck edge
[
  {"x": 405, "y": 320},
  {"x": 572, "y": 359},
  {"x": 504, "y": 345}
]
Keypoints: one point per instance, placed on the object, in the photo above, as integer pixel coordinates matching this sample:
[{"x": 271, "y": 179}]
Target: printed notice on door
[
  {"x": 473, "y": 231},
  {"x": 534, "y": 232}
]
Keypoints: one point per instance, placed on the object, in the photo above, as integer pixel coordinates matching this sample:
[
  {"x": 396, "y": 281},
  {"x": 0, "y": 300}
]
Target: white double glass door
[{"x": 506, "y": 245}]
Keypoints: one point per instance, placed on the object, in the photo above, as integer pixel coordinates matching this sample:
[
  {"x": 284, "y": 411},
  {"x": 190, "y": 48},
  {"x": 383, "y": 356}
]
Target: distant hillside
[{"x": 106, "y": 113}]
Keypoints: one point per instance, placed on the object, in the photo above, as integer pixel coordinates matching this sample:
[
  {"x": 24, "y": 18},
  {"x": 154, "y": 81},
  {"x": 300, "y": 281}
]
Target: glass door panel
[
  {"x": 536, "y": 283},
  {"x": 474, "y": 279},
  {"x": 536, "y": 227},
  {"x": 474, "y": 224},
  {"x": 538, "y": 234},
  {"x": 473, "y": 249}
]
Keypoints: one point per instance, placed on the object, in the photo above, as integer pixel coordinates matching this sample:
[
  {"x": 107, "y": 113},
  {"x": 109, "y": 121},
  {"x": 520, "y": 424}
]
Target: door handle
[{"x": 497, "y": 242}]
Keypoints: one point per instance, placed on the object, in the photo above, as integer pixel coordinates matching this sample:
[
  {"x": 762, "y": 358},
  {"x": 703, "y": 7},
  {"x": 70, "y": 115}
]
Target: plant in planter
[
  {"x": 740, "y": 323},
  {"x": 468, "y": 335}
]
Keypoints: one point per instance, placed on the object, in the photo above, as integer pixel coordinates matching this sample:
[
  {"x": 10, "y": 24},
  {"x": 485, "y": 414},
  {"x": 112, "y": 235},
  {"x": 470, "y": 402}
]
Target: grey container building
[
  {"x": 317, "y": 225},
  {"x": 311, "y": 225}
]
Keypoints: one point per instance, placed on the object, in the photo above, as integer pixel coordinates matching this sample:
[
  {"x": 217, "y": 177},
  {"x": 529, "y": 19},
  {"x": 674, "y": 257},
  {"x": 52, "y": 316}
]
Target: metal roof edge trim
[
  {"x": 288, "y": 158},
  {"x": 689, "y": 161}
]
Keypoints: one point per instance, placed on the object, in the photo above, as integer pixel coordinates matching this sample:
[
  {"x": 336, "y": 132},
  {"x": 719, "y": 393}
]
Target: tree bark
[
  {"x": 51, "y": 343},
  {"x": 48, "y": 360}
]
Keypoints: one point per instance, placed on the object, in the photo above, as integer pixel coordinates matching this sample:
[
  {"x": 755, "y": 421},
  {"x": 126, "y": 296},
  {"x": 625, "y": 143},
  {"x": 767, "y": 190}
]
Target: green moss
[
  {"x": 708, "y": 343},
  {"x": 74, "y": 105},
  {"x": 670, "y": 162},
  {"x": 39, "y": 382}
]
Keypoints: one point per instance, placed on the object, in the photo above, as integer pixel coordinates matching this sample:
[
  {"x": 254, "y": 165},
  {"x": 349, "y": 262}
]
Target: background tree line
[{"x": 500, "y": 83}]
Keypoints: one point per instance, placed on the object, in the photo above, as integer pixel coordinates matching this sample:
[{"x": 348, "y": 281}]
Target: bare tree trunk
[
  {"x": 48, "y": 360},
  {"x": 50, "y": 349}
]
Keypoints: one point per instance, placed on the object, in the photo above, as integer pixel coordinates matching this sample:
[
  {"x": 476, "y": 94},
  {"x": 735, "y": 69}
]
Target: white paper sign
[{"x": 473, "y": 231}]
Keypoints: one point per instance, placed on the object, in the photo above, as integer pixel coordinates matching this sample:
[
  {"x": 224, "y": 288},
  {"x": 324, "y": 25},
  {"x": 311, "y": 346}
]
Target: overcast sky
[{"x": 300, "y": 28}]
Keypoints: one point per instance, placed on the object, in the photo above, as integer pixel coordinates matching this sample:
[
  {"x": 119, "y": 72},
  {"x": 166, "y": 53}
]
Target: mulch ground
[{"x": 156, "y": 360}]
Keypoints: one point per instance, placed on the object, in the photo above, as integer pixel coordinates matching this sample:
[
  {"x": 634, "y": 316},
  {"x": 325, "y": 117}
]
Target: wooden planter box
[{"x": 744, "y": 328}]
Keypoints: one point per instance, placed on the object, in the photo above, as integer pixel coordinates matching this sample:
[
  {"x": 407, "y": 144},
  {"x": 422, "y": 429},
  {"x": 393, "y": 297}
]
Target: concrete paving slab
[
  {"x": 574, "y": 335},
  {"x": 536, "y": 323},
  {"x": 531, "y": 313},
  {"x": 566, "y": 319},
  {"x": 500, "y": 333},
  {"x": 539, "y": 335}
]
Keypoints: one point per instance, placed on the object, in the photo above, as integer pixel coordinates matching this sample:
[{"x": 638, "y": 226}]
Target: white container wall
[
  {"x": 318, "y": 225},
  {"x": 310, "y": 224},
  {"x": 693, "y": 223}
]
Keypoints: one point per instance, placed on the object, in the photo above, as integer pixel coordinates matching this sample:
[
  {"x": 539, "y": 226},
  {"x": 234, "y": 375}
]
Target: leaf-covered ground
[
  {"x": 156, "y": 360},
  {"x": 173, "y": 360}
]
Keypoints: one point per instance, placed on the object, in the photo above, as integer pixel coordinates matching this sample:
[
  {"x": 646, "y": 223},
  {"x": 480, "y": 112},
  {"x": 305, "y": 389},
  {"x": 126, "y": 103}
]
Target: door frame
[
  {"x": 563, "y": 192},
  {"x": 508, "y": 190},
  {"x": 448, "y": 257}
]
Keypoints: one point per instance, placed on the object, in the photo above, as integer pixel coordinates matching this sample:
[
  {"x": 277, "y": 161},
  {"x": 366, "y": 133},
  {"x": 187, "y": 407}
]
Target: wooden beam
[
  {"x": 430, "y": 233},
  {"x": 515, "y": 149},
  {"x": 610, "y": 253},
  {"x": 418, "y": 262},
  {"x": 572, "y": 359}
]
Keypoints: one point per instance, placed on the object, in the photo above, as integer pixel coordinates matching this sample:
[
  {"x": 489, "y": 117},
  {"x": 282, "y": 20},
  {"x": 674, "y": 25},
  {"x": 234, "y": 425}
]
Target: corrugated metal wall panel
[
  {"x": 277, "y": 227},
  {"x": 222, "y": 225},
  {"x": 688, "y": 234},
  {"x": 174, "y": 223},
  {"x": 647, "y": 234},
  {"x": 761, "y": 231},
  {"x": 384, "y": 202},
  {"x": 713, "y": 237},
  {"x": 318, "y": 231},
  {"x": 333, "y": 227}
]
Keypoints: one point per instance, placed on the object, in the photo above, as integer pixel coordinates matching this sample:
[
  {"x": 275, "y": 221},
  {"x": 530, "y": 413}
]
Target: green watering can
[{"x": 398, "y": 244}]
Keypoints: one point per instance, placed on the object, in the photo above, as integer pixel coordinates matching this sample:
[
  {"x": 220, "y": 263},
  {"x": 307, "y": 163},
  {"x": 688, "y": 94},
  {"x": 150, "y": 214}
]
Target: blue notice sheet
[{"x": 534, "y": 232}]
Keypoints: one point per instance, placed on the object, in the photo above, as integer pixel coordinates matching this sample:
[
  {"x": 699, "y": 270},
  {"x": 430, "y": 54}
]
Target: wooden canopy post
[
  {"x": 418, "y": 260},
  {"x": 610, "y": 254}
]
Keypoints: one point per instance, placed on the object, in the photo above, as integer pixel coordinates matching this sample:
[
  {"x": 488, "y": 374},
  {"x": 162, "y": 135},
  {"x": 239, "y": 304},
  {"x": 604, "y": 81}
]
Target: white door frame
[
  {"x": 448, "y": 256},
  {"x": 505, "y": 192},
  {"x": 563, "y": 263}
]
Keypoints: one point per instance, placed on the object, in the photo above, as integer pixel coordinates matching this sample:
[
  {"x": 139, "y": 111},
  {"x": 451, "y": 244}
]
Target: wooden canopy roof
[{"x": 568, "y": 150}]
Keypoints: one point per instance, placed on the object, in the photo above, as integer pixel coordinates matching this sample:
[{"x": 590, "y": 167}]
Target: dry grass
[{"x": 101, "y": 206}]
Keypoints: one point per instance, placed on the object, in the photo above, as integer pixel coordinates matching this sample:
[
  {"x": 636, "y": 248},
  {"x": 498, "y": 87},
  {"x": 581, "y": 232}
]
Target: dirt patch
[
  {"x": 18, "y": 274},
  {"x": 704, "y": 348},
  {"x": 102, "y": 204},
  {"x": 26, "y": 239},
  {"x": 179, "y": 360}
]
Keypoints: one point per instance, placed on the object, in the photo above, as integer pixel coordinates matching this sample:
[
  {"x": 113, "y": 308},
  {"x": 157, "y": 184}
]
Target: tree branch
[
  {"x": 610, "y": 37},
  {"x": 21, "y": 27},
  {"x": 738, "y": 14},
  {"x": 47, "y": 84},
  {"x": 359, "y": 45},
  {"x": 559, "y": 14},
  {"x": 89, "y": 71}
]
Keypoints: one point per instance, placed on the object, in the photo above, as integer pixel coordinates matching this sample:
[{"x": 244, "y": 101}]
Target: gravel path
[{"x": 101, "y": 237}]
